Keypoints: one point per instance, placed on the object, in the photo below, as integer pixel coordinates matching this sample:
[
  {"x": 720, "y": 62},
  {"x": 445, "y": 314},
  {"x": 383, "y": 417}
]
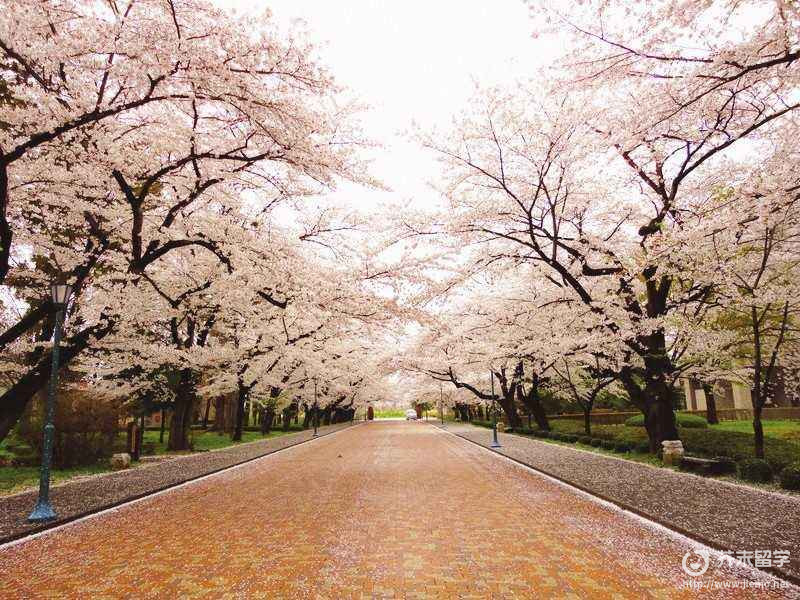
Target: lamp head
[{"x": 60, "y": 293}]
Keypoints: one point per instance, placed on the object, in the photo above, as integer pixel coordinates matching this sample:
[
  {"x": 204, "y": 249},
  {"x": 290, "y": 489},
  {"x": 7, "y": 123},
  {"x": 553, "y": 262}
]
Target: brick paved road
[{"x": 393, "y": 509}]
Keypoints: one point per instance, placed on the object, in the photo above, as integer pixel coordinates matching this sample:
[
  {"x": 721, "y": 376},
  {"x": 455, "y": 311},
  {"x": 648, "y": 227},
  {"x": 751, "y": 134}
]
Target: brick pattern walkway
[
  {"x": 383, "y": 510},
  {"x": 733, "y": 517},
  {"x": 74, "y": 499}
]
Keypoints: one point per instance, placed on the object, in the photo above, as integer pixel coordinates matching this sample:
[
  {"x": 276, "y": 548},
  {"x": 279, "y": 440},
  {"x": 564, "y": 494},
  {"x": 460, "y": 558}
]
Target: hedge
[
  {"x": 755, "y": 469},
  {"x": 790, "y": 477}
]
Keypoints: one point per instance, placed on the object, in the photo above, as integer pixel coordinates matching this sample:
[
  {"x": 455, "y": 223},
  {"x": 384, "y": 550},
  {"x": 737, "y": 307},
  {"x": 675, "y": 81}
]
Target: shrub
[
  {"x": 755, "y": 469},
  {"x": 596, "y": 442},
  {"x": 585, "y": 439},
  {"x": 790, "y": 477},
  {"x": 608, "y": 444},
  {"x": 738, "y": 445},
  {"x": 683, "y": 420},
  {"x": 543, "y": 434},
  {"x": 725, "y": 465},
  {"x": 622, "y": 447},
  {"x": 570, "y": 438},
  {"x": 642, "y": 447},
  {"x": 85, "y": 427}
]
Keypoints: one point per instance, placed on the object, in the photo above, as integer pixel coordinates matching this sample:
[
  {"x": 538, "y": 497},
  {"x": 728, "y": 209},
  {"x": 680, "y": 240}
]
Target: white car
[{"x": 411, "y": 415}]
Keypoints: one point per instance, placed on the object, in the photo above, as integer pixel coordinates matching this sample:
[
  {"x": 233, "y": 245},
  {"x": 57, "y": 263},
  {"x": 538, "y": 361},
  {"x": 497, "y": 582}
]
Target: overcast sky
[{"x": 411, "y": 61}]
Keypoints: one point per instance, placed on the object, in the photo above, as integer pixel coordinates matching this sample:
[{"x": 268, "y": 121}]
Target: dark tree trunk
[
  {"x": 758, "y": 431},
  {"x": 267, "y": 418},
  {"x": 587, "y": 419},
  {"x": 5, "y": 225},
  {"x": 306, "y": 416},
  {"x": 655, "y": 401},
  {"x": 182, "y": 413},
  {"x": 241, "y": 397},
  {"x": 711, "y": 404},
  {"x": 509, "y": 407},
  {"x": 163, "y": 422},
  {"x": 287, "y": 416},
  {"x": 219, "y": 411},
  {"x": 206, "y": 413},
  {"x": 532, "y": 402}
]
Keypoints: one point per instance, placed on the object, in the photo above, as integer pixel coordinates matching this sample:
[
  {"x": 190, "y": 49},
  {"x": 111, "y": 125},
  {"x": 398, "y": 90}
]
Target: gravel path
[
  {"x": 77, "y": 498},
  {"x": 383, "y": 510},
  {"x": 721, "y": 514}
]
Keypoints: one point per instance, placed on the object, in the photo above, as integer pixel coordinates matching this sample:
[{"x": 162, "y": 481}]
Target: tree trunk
[
  {"x": 5, "y": 224},
  {"x": 587, "y": 419},
  {"x": 163, "y": 421},
  {"x": 758, "y": 431},
  {"x": 532, "y": 403},
  {"x": 509, "y": 407},
  {"x": 655, "y": 401},
  {"x": 205, "y": 415},
  {"x": 267, "y": 417},
  {"x": 287, "y": 417},
  {"x": 711, "y": 404},
  {"x": 241, "y": 397},
  {"x": 182, "y": 414},
  {"x": 306, "y": 416}
]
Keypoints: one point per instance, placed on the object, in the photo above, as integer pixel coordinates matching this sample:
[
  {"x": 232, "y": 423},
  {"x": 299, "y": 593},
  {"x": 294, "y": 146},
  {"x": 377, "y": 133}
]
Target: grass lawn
[
  {"x": 391, "y": 413},
  {"x": 209, "y": 440},
  {"x": 18, "y": 479},
  {"x": 784, "y": 430}
]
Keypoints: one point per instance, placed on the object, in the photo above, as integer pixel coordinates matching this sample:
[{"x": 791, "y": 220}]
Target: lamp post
[
  {"x": 441, "y": 402},
  {"x": 495, "y": 443},
  {"x": 43, "y": 512},
  {"x": 316, "y": 410}
]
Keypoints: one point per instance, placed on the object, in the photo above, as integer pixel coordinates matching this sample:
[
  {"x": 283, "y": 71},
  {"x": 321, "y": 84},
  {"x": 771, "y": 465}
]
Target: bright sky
[{"x": 412, "y": 61}]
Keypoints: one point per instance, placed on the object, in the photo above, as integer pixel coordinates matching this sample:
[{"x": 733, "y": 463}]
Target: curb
[
  {"x": 775, "y": 572},
  {"x": 60, "y": 522}
]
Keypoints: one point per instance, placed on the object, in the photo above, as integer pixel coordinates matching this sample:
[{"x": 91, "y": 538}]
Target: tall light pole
[
  {"x": 43, "y": 512},
  {"x": 495, "y": 443},
  {"x": 316, "y": 410},
  {"x": 441, "y": 402}
]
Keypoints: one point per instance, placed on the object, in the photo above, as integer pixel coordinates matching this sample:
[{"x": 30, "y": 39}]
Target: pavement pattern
[
  {"x": 739, "y": 518},
  {"x": 79, "y": 497},
  {"x": 380, "y": 510}
]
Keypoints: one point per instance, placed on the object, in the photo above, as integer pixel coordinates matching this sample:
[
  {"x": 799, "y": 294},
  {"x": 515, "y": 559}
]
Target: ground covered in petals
[{"x": 381, "y": 510}]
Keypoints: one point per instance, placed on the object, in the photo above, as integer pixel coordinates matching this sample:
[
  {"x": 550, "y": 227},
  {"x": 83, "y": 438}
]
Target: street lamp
[
  {"x": 316, "y": 410},
  {"x": 495, "y": 443},
  {"x": 43, "y": 512},
  {"x": 441, "y": 402}
]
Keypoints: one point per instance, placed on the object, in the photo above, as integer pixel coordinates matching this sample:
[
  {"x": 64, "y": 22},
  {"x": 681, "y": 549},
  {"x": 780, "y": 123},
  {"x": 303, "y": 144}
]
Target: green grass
[
  {"x": 391, "y": 413},
  {"x": 784, "y": 430},
  {"x": 209, "y": 440},
  {"x": 18, "y": 479}
]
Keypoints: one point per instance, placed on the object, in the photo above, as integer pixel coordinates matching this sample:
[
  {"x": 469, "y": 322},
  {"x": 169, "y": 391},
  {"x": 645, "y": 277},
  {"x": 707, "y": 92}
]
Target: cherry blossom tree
[
  {"x": 599, "y": 174},
  {"x": 134, "y": 131}
]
